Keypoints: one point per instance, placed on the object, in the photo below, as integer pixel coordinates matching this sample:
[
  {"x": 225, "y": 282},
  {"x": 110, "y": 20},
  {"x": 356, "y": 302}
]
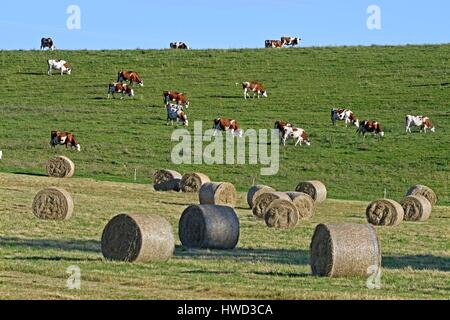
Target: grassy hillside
[
  {"x": 117, "y": 137},
  {"x": 267, "y": 264}
]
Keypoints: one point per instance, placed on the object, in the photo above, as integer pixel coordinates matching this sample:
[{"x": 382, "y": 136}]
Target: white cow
[
  {"x": 297, "y": 134},
  {"x": 422, "y": 122},
  {"x": 346, "y": 115},
  {"x": 176, "y": 113},
  {"x": 60, "y": 65}
]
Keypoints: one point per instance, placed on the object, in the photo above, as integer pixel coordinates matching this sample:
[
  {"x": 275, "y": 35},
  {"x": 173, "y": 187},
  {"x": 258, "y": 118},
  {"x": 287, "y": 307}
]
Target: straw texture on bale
[
  {"x": 60, "y": 167},
  {"x": 53, "y": 204},
  {"x": 281, "y": 213},
  {"x": 255, "y": 191},
  {"x": 167, "y": 180},
  {"x": 421, "y": 190},
  {"x": 304, "y": 203},
  {"x": 138, "y": 238},
  {"x": 385, "y": 212},
  {"x": 219, "y": 193},
  {"x": 263, "y": 200},
  {"x": 192, "y": 182},
  {"x": 416, "y": 208},
  {"x": 344, "y": 250},
  {"x": 315, "y": 189},
  {"x": 209, "y": 227}
]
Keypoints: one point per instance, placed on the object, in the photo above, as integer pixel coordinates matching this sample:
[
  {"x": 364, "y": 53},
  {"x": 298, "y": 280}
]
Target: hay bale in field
[
  {"x": 192, "y": 182},
  {"x": 304, "y": 203},
  {"x": 416, "y": 208},
  {"x": 167, "y": 180},
  {"x": 138, "y": 238},
  {"x": 218, "y": 193},
  {"x": 281, "y": 213},
  {"x": 421, "y": 190},
  {"x": 209, "y": 227},
  {"x": 264, "y": 199},
  {"x": 384, "y": 212},
  {"x": 315, "y": 189},
  {"x": 255, "y": 191},
  {"x": 344, "y": 250},
  {"x": 53, "y": 204},
  {"x": 60, "y": 167}
]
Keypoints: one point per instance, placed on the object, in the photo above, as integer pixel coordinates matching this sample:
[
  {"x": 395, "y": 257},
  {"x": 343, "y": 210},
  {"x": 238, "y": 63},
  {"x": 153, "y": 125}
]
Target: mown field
[
  {"x": 267, "y": 263},
  {"x": 119, "y": 137}
]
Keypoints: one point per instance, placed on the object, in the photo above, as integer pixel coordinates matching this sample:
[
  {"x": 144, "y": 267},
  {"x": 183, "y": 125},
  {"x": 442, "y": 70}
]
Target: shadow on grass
[
  {"x": 33, "y": 73},
  {"x": 30, "y": 174},
  {"x": 418, "y": 262},
  {"x": 67, "y": 259},
  {"x": 218, "y": 96},
  {"x": 445, "y": 84},
  {"x": 91, "y": 246},
  {"x": 281, "y": 256}
]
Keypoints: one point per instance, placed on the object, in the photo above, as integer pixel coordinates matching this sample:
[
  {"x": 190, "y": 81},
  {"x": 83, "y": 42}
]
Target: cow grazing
[
  {"x": 257, "y": 88},
  {"x": 173, "y": 96},
  {"x": 179, "y": 45},
  {"x": 297, "y": 134},
  {"x": 60, "y": 65},
  {"x": 121, "y": 88},
  {"x": 176, "y": 113},
  {"x": 47, "y": 43},
  {"x": 370, "y": 126},
  {"x": 131, "y": 76},
  {"x": 64, "y": 138},
  {"x": 344, "y": 115},
  {"x": 228, "y": 125},
  {"x": 280, "y": 125},
  {"x": 422, "y": 122},
  {"x": 274, "y": 43},
  {"x": 290, "y": 41}
]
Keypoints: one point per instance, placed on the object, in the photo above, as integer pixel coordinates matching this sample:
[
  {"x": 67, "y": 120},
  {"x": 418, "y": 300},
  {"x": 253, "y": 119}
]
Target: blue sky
[{"x": 221, "y": 24}]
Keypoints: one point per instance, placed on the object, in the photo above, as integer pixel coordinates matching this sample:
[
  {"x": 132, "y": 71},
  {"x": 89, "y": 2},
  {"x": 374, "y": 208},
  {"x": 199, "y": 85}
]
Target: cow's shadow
[{"x": 33, "y": 73}]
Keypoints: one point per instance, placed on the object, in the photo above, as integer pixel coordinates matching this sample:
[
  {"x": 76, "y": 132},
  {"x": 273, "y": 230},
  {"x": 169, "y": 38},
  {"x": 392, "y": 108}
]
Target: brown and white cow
[
  {"x": 64, "y": 138},
  {"x": 297, "y": 134},
  {"x": 231, "y": 125},
  {"x": 121, "y": 88},
  {"x": 47, "y": 43},
  {"x": 176, "y": 113},
  {"x": 174, "y": 96},
  {"x": 61, "y": 65},
  {"x": 274, "y": 43},
  {"x": 257, "y": 88},
  {"x": 291, "y": 41},
  {"x": 370, "y": 126},
  {"x": 179, "y": 45},
  {"x": 131, "y": 76},
  {"x": 280, "y": 125},
  {"x": 422, "y": 122},
  {"x": 346, "y": 115}
]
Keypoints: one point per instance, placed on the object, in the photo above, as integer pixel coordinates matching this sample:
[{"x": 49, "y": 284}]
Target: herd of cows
[{"x": 176, "y": 104}]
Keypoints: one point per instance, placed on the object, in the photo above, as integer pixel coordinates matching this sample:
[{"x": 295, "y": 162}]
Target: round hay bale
[
  {"x": 209, "y": 227},
  {"x": 264, "y": 199},
  {"x": 255, "y": 191},
  {"x": 138, "y": 238},
  {"x": 192, "y": 182},
  {"x": 315, "y": 189},
  {"x": 344, "y": 250},
  {"x": 53, "y": 204},
  {"x": 384, "y": 212},
  {"x": 167, "y": 180},
  {"x": 281, "y": 213},
  {"x": 60, "y": 167},
  {"x": 421, "y": 190},
  {"x": 219, "y": 193},
  {"x": 416, "y": 208},
  {"x": 304, "y": 203}
]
